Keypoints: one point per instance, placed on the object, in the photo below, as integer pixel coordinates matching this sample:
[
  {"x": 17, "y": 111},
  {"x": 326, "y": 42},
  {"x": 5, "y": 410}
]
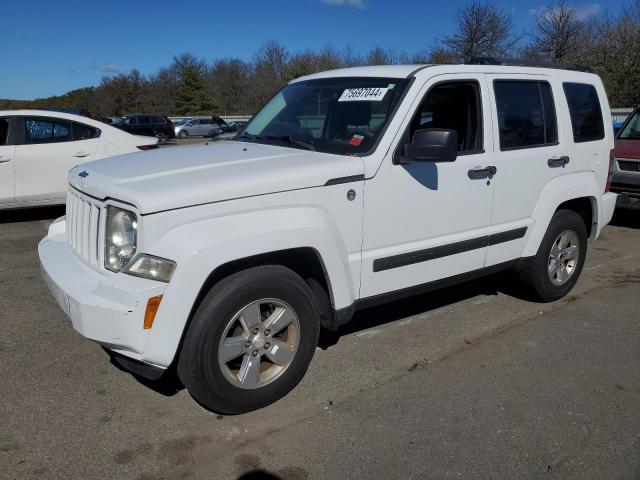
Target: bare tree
[
  {"x": 558, "y": 32},
  {"x": 483, "y": 29}
]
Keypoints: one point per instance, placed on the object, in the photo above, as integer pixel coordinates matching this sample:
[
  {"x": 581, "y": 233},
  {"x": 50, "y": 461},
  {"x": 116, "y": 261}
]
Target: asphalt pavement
[{"x": 467, "y": 382}]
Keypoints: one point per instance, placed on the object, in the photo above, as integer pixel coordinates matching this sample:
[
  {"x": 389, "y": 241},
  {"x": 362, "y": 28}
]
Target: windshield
[
  {"x": 332, "y": 115},
  {"x": 180, "y": 122},
  {"x": 631, "y": 130}
]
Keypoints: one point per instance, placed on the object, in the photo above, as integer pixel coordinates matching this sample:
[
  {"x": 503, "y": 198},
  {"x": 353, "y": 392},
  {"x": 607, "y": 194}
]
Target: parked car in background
[
  {"x": 238, "y": 125},
  {"x": 224, "y": 260},
  {"x": 221, "y": 129},
  {"x": 38, "y": 147},
  {"x": 626, "y": 173},
  {"x": 195, "y": 127},
  {"x": 157, "y": 126},
  {"x": 617, "y": 125}
]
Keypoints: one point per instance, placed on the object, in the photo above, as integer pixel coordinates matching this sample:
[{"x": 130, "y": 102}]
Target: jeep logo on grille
[{"x": 83, "y": 174}]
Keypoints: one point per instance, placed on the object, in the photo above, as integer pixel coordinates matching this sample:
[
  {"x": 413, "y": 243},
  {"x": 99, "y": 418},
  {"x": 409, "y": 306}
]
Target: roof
[
  {"x": 405, "y": 71},
  {"x": 383, "y": 71}
]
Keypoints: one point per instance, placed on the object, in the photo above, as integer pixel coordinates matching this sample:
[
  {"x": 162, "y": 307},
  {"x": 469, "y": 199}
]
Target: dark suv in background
[
  {"x": 151, "y": 125},
  {"x": 626, "y": 172}
]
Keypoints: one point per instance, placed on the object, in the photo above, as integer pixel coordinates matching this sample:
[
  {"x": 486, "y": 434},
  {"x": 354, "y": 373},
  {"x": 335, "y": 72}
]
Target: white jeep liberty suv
[{"x": 349, "y": 188}]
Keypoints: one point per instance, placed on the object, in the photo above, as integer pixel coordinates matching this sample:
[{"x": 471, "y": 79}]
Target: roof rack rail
[{"x": 525, "y": 63}]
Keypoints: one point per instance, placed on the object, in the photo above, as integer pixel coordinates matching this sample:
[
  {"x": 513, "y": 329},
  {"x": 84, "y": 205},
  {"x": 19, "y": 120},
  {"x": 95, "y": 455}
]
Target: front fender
[
  {"x": 556, "y": 192},
  {"x": 200, "y": 247}
]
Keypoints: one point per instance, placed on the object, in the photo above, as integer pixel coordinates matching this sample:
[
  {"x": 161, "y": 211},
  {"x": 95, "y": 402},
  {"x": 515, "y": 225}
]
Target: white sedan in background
[{"x": 39, "y": 147}]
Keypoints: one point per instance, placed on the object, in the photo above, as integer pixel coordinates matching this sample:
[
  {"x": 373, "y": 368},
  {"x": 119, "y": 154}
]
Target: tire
[
  {"x": 182, "y": 134},
  {"x": 544, "y": 278},
  {"x": 162, "y": 138},
  {"x": 222, "y": 319}
]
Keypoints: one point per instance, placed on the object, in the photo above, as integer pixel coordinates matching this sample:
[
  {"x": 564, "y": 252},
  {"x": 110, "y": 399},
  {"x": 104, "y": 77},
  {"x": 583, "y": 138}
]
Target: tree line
[{"x": 608, "y": 43}]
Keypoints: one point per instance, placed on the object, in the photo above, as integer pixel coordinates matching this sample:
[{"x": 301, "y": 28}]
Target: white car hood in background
[{"x": 176, "y": 177}]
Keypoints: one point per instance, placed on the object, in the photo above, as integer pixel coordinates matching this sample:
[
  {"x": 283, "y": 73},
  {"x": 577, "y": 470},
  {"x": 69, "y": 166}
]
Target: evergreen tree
[{"x": 192, "y": 96}]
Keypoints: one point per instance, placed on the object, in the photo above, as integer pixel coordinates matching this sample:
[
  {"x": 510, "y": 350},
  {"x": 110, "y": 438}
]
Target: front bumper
[{"x": 104, "y": 307}]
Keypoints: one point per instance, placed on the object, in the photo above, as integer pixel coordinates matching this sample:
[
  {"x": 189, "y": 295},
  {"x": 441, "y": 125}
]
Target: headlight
[
  {"x": 148, "y": 266},
  {"x": 121, "y": 235}
]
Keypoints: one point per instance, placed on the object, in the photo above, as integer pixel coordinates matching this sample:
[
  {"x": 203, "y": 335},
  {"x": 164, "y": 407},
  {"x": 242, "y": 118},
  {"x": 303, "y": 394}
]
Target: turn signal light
[{"x": 153, "y": 304}]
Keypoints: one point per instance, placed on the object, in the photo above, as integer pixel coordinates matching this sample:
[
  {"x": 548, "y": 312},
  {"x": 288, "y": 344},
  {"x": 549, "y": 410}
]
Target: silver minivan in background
[{"x": 195, "y": 127}]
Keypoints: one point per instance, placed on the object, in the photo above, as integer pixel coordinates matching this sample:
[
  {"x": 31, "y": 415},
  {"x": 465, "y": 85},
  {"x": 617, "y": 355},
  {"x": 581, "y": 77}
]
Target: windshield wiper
[{"x": 283, "y": 138}]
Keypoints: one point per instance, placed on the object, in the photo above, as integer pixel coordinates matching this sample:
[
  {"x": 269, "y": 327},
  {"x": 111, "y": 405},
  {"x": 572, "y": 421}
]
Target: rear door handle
[
  {"x": 5, "y": 159},
  {"x": 558, "y": 162},
  {"x": 482, "y": 172},
  {"x": 81, "y": 154}
]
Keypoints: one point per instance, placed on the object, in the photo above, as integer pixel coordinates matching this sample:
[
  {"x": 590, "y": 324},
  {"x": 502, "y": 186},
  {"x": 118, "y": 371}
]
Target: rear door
[
  {"x": 7, "y": 163},
  {"x": 51, "y": 147},
  {"x": 530, "y": 151}
]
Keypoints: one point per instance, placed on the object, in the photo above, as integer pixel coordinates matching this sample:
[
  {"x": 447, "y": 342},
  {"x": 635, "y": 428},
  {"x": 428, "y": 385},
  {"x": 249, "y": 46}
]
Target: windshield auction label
[{"x": 363, "y": 94}]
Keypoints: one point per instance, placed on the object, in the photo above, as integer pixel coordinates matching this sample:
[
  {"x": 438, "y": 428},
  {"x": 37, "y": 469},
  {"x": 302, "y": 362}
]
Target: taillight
[
  {"x": 147, "y": 147},
  {"x": 612, "y": 158}
]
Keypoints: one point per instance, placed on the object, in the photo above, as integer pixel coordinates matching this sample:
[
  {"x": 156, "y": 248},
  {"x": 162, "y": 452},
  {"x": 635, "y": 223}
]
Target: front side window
[
  {"x": 631, "y": 130},
  {"x": 333, "y": 115},
  {"x": 586, "y": 115},
  {"x": 526, "y": 114},
  {"x": 159, "y": 120},
  {"x": 454, "y": 106},
  {"x": 47, "y": 130}
]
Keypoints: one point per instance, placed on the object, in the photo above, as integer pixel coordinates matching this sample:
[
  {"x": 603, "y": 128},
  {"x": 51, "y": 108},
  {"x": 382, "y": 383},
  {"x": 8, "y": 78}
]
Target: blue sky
[{"x": 51, "y": 47}]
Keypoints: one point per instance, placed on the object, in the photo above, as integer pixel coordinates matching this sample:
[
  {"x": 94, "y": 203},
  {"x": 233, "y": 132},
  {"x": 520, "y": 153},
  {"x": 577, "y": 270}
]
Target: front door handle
[
  {"x": 81, "y": 154},
  {"x": 482, "y": 172},
  {"x": 558, "y": 162},
  {"x": 5, "y": 159}
]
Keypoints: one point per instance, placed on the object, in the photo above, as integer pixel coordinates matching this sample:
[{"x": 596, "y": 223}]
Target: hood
[
  {"x": 175, "y": 177},
  {"x": 627, "y": 149}
]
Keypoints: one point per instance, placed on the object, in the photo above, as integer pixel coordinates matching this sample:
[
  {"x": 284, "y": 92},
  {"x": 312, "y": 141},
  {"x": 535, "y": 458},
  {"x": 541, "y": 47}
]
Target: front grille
[
  {"x": 83, "y": 226},
  {"x": 629, "y": 166}
]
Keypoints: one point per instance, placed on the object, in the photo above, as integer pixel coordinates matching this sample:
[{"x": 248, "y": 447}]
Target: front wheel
[
  {"x": 555, "y": 269},
  {"x": 182, "y": 134},
  {"x": 250, "y": 341},
  {"x": 162, "y": 138}
]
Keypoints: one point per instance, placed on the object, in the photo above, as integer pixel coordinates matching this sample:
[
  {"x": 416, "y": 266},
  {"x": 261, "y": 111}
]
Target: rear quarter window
[
  {"x": 585, "y": 111},
  {"x": 84, "y": 132}
]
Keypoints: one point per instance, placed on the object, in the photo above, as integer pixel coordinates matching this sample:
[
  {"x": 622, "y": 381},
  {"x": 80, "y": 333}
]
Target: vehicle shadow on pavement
[
  {"x": 397, "y": 310},
  {"x": 31, "y": 214},
  {"x": 259, "y": 475},
  {"x": 626, "y": 218}
]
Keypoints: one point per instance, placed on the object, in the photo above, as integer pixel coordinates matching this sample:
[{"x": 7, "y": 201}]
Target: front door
[{"x": 427, "y": 221}]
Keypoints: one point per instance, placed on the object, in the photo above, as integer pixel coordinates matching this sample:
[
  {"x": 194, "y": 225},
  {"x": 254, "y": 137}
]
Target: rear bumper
[
  {"x": 607, "y": 207},
  {"x": 104, "y": 307}
]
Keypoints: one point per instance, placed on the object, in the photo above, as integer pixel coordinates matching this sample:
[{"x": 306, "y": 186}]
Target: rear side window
[
  {"x": 526, "y": 114},
  {"x": 586, "y": 115},
  {"x": 46, "y": 130},
  {"x": 4, "y": 131},
  {"x": 142, "y": 120},
  {"x": 84, "y": 132}
]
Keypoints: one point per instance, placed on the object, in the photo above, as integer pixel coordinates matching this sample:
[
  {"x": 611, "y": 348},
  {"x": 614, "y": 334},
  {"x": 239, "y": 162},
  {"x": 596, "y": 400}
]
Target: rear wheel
[
  {"x": 250, "y": 341},
  {"x": 555, "y": 269}
]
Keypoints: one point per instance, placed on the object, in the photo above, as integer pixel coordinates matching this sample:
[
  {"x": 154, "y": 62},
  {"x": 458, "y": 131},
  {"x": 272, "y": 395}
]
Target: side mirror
[{"x": 431, "y": 145}]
